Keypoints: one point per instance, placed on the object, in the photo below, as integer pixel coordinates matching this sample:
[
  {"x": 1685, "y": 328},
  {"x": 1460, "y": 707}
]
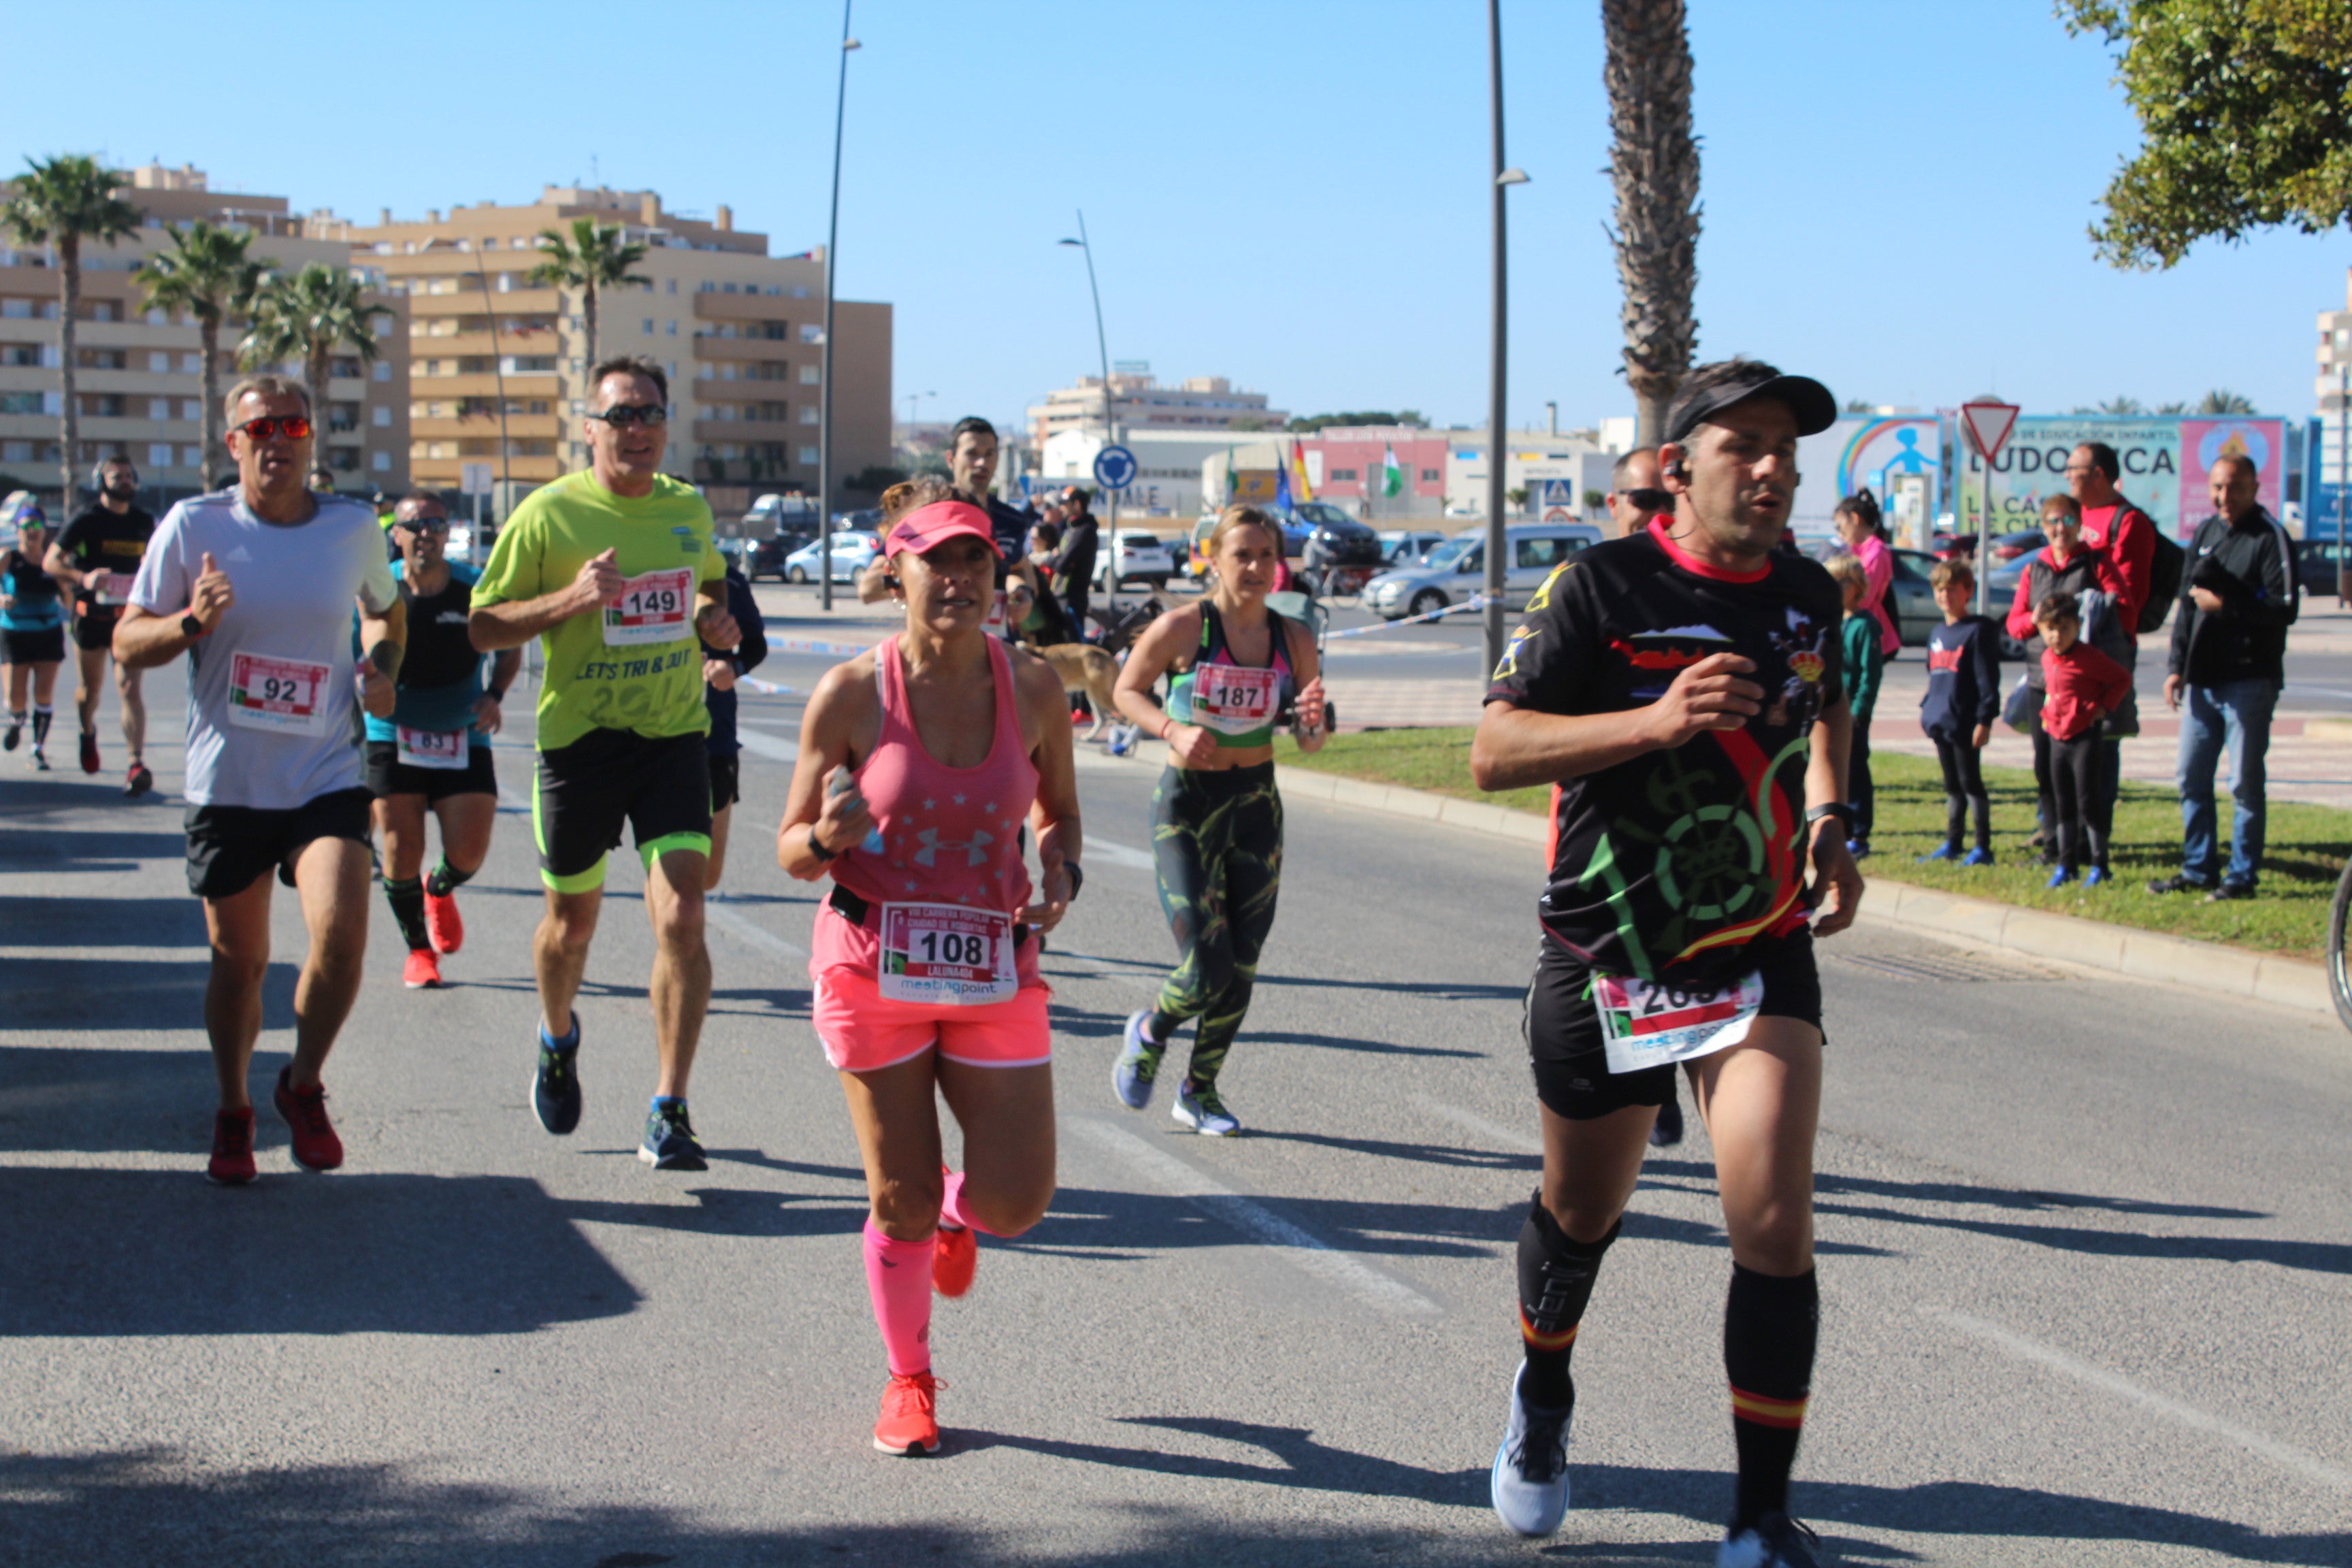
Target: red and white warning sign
[{"x": 1988, "y": 423}]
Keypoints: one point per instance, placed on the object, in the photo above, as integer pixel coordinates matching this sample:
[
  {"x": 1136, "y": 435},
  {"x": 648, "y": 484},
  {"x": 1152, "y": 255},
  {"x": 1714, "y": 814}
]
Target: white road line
[
  {"x": 1099, "y": 850},
  {"x": 1308, "y": 1254},
  {"x": 768, "y": 746},
  {"x": 742, "y": 930},
  {"x": 1471, "y": 1121},
  {"x": 2283, "y": 1454}
]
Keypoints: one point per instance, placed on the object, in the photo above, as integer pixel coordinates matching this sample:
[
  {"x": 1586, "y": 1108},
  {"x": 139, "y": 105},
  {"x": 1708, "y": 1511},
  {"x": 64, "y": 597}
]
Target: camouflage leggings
[{"x": 1217, "y": 837}]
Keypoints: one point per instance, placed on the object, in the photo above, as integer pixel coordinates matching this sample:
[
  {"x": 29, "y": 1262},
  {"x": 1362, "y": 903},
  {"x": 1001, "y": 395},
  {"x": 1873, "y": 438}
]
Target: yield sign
[{"x": 1989, "y": 424}]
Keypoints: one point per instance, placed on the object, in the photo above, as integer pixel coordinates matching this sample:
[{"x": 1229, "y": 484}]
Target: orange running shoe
[
  {"x": 955, "y": 1253},
  {"x": 909, "y": 1425},
  {"x": 422, "y": 972},
  {"x": 441, "y": 922}
]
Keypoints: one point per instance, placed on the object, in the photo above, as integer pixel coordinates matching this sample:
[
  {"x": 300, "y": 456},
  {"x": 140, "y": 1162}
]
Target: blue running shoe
[
  {"x": 1977, "y": 856},
  {"x": 1941, "y": 852},
  {"x": 555, "y": 1087},
  {"x": 2095, "y": 875},
  {"x": 1530, "y": 1484},
  {"x": 1203, "y": 1112},
  {"x": 1858, "y": 847},
  {"x": 670, "y": 1143},
  {"x": 1132, "y": 1077},
  {"x": 2059, "y": 877}
]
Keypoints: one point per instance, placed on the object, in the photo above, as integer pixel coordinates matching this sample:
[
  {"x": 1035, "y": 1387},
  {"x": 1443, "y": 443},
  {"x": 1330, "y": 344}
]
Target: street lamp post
[
  {"x": 1110, "y": 428},
  {"x": 824, "y": 371},
  {"x": 1505, "y": 178}
]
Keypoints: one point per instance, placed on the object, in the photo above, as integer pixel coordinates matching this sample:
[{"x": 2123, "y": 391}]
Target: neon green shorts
[{"x": 588, "y": 791}]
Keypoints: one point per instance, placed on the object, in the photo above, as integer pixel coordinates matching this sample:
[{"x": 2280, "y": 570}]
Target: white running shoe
[
  {"x": 1774, "y": 1541},
  {"x": 1203, "y": 1112},
  {"x": 1530, "y": 1480}
]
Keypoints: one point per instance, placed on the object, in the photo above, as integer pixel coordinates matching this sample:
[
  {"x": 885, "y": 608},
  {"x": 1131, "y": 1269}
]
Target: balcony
[
  {"x": 482, "y": 384},
  {"x": 459, "y": 345},
  {"x": 468, "y": 302},
  {"x": 755, "y": 307},
  {"x": 444, "y": 471},
  {"x": 753, "y": 348},
  {"x": 485, "y": 427},
  {"x": 744, "y": 430}
]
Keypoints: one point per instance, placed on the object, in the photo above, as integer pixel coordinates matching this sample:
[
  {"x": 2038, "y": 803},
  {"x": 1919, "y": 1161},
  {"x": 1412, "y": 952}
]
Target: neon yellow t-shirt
[{"x": 634, "y": 666}]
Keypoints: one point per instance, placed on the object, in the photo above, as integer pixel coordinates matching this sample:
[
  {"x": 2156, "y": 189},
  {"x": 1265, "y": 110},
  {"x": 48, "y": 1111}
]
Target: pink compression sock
[
  {"x": 951, "y": 1206},
  {"x": 898, "y": 1280}
]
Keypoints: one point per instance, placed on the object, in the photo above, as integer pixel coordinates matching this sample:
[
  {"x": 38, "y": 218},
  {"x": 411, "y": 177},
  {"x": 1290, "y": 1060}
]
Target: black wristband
[
  {"x": 1077, "y": 875},
  {"x": 1838, "y": 810},
  {"x": 497, "y": 694},
  {"x": 817, "y": 848}
]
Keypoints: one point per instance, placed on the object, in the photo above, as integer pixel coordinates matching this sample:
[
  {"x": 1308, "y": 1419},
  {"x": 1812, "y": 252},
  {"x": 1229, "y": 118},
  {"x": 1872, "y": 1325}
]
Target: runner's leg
[
  {"x": 896, "y": 1117},
  {"x": 331, "y": 875},
  {"x": 237, "y": 928},
  {"x": 134, "y": 712},
  {"x": 559, "y": 954},
  {"x": 717, "y": 867},
  {"x": 89, "y": 677},
  {"x": 681, "y": 979},
  {"x": 466, "y": 824},
  {"x": 400, "y": 819},
  {"x": 1251, "y": 876},
  {"x": 1007, "y": 1117},
  {"x": 1590, "y": 1168},
  {"x": 1189, "y": 860}
]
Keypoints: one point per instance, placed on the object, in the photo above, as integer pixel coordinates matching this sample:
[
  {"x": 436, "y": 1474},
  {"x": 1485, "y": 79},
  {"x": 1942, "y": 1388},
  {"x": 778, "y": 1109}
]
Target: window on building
[
  {"x": 381, "y": 462},
  {"x": 669, "y": 286},
  {"x": 191, "y": 409},
  {"x": 382, "y": 417},
  {"x": 649, "y": 326},
  {"x": 1344, "y": 476},
  {"x": 158, "y": 454},
  {"x": 159, "y": 362},
  {"x": 808, "y": 375},
  {"x": 809, "y": 413},
  {"x": 726, "y": 288},
  {"x": 191, "y": 457},
  {"x": 811, "y": 455},
  {"x": 158, "y": 318},
  {"x": 800, "y": 292},
  {"x": 811, "y": 332},
  {"x": 159, "y": 408},
  {"x": 15, "y": 451},
  {"x": 21, "y": 308},
  {"x": 1432, "y": 476},
  {"x": 192, "y": 365}
]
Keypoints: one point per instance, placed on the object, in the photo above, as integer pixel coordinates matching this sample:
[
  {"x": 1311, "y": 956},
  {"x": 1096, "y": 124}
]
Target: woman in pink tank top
[{"x": 919, "y": 763}]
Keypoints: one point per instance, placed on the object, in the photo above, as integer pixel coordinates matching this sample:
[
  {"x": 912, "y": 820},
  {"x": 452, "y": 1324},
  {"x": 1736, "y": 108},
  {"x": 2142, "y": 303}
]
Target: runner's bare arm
[
  {"x": 385, "y": 637},
  {"x": 1055, "y": 818},
  {"x": 143, "y": 639},
  {"x": 1517, "y": 746},
  {"x": 58, "y": 564},
  {"x": 1162, "y": 643},
  {"x": 712, "y": 622},
  {"x": 840, "y": 727},
  {"x": 511, "y": 625},
  {"x": 1307, "y": 662},
  {"x": 1837, "y": 881}
]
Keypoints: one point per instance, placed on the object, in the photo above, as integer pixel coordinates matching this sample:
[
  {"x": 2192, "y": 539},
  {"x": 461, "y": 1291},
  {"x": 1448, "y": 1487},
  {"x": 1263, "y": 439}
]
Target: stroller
[{"x": 1308, "y": 612}]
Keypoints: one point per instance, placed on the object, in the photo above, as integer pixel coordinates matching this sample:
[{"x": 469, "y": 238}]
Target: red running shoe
[
  {"x": 442, "y": 922},
  {"x": 232, "y": 1161},
  {"x": 89, "y": 750},
  {"x": 137, "y": 781},
  {"x": 422, "y": 972},
  {"x": 909, "y": 1425},
  {"x": 316, "y": 1147},
  {"x": 954, "y": 1255}
]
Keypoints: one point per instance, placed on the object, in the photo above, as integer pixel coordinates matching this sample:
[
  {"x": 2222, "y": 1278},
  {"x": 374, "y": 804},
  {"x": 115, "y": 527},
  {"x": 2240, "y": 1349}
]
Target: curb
[{"x": 2097, "y": 945}]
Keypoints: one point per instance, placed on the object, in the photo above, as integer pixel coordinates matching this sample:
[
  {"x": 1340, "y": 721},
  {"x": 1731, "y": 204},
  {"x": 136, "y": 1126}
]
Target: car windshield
[
  {"x": 1448, "y": 553},
  {"x": 1324, "y": 515}
]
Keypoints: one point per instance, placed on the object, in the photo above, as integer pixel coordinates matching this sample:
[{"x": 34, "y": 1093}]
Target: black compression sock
[
  {"x": 41, "y": 717},
  {"x": 445, "y": 879},
  {"x": 407, "y": 902},
  {"x": 1556, "y": 1276},
  {"x": 1770, "y": 1325}
]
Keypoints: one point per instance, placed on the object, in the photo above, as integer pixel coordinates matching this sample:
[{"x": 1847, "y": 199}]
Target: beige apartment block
[
  {"x": 1137, "y": 402},
  {"x": 140, "y": 375},
  {"x": 738, "y": 332}
]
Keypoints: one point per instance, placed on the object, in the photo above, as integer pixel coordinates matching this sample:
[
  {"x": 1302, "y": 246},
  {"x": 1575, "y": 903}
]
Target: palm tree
[
  {"x": 593, "y": 258},
  {"x": 306, "y": 316},
  {"x": 60, "y": 201},
  {"x": 205, "y": 275},
  {"x": 1654, "y": 161},
  {"x": 2223, "y": 401},
  {"x": 2124, "y": 404}
]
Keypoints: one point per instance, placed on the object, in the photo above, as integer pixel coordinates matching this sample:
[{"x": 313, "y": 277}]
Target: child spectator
[
  {"x": 1864, "y": 662},
  {"x": 2084, "y": 687},
  {"x": 1963, "y": 694}
]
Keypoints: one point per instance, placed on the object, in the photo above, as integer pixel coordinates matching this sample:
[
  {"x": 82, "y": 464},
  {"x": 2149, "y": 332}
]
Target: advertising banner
[
  {"x": 1862, "y": 452},
  {"x": 2165, "y": 461},
  {"x": 2203, "y": 442}
]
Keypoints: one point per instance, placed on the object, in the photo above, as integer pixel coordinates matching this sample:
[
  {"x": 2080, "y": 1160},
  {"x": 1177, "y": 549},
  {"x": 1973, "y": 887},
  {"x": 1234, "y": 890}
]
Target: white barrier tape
[
  {"x": 766, "y": 687},
  {"x": 1479, "y": 602},
  {"x": 814, "y": 645}
]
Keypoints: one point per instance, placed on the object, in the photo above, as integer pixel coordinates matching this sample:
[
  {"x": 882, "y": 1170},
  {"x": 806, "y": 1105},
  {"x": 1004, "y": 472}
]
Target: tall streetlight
[
  {"x": 1110, "y": 427},
  {"x": 912, "y": 403},
  {"x": 824, "y": 393},
  {"x": 1505, "y": 178}
]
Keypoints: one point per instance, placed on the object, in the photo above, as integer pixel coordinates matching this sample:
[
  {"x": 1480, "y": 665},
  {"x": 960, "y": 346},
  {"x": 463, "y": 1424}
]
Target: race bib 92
[
  {"x": 280, "y": 694},
  {"x": 656, "y": 607}
]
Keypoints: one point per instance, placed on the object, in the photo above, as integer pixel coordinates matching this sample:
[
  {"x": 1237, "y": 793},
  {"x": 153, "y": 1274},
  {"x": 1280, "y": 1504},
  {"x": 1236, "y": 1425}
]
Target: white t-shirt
[{"x": 273, "y": 716}]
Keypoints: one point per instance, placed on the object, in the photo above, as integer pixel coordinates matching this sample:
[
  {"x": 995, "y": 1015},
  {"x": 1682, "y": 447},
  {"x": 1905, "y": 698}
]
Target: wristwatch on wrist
[
  {"x": 190, "y": 626},
  {"x": 1077, "y": 874},
  {"x": 1838, "y": 810},
  {"x": 496, "y": 695},
  {"x": 817, "y": 848}
]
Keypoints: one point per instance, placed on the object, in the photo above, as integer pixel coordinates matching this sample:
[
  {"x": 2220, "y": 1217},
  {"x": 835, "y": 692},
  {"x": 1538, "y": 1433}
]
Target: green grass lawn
[{"x": 2308, "y": 844}]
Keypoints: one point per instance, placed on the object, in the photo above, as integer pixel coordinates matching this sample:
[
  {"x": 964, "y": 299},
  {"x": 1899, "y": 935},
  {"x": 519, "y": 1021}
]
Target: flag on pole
[
  {"x": 1300, "y": 488},
  {"x": 1281, "y": 487},
  {"x": 1392, "y": 476},
  {"x": 1230, "y": 498}
]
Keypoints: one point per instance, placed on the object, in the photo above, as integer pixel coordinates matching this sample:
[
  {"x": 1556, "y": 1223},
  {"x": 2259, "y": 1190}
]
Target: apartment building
[
  {"x": 1137, "y": 402},
  {"x": 739, "y": 331},
  {"x": 140, "y": 375}
]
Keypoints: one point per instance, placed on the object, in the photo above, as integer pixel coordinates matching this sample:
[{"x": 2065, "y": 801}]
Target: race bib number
[
  {"x": 280, "y": 694},
  {"x": 1234, "y": 700},
  {"x": 947, "y": 954},
  {"x": 655, "y": 608},
  {"x": 433, "y": 747},
  {"x": 1648, "y": 1024}
]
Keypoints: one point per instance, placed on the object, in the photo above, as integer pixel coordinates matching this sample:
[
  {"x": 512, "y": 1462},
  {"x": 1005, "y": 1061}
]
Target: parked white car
[
  {"x": 852, "y": 554},
  {"x": 1140, "y": 558}
]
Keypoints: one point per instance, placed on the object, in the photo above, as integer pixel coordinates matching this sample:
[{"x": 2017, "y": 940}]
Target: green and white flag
[{"x": 1392, "y": 476}]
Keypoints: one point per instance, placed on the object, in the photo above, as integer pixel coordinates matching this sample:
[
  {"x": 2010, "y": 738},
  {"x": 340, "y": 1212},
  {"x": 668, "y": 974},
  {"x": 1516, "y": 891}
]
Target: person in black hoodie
[
  {"x": 1956, "y": 712},
  {"x": 720, "y": 669},
  {"x": 2238, "y": 597}
]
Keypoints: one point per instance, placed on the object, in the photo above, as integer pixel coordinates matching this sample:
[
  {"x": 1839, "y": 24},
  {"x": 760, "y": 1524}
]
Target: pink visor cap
[{"x": 927, "y": 528}]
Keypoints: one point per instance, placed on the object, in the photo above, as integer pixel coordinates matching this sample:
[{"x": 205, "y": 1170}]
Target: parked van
[{"x": 1455, "y": 572}]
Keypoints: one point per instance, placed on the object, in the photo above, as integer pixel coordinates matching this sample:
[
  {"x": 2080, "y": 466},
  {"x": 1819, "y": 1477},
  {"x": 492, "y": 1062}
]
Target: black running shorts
[
  {"x": 726, "y": 780},
  {"x": 94, "y": 627},
  {"x": 387, "y": 775},
  {"x": 1563, "y": 1028},
  {"x": 588, "y": 791},
  {"x": 230, "y": 846},
  {"x": 46, "y": 645}
]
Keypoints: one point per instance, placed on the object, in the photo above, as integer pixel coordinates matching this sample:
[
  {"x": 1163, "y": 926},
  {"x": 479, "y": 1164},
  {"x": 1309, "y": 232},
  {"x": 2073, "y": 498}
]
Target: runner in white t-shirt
[{"x": 256, "y": 584}]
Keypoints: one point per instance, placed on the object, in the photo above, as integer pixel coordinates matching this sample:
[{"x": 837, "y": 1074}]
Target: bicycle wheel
[{"x": 2339, "y": 964}]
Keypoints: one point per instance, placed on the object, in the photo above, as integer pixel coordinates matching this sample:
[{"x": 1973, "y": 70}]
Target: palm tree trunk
[
  {"x": 209, "y": 427},
  {"x": 316, "y": 367},
  {"x": 588, "y": 314},
  {"x": 69, "y": 416},
  {"x": 1653, "y": 163}
]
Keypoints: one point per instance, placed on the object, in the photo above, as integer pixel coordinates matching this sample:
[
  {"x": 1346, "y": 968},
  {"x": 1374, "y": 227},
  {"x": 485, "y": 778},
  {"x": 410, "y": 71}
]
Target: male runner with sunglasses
[
  {"x": 614, "y": 571},
  {"x": 256, "y": 584},
  {"x": 97, "y": 556}
]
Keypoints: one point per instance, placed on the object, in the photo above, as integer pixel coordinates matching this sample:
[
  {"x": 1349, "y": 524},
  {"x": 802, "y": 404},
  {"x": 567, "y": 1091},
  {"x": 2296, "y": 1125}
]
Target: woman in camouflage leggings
[{"x": 1216, "y": 829}]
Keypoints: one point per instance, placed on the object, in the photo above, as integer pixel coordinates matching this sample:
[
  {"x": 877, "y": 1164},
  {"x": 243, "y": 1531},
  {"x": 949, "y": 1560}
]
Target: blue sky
[{"x": 1289, "y": 194}]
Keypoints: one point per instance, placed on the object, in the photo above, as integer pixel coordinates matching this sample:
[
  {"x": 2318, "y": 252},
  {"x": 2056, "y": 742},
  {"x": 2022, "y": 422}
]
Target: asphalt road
[{"x": 2087, "y": 1296}]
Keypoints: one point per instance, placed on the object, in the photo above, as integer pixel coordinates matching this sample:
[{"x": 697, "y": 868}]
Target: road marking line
[
  {"x": 767, "y": 745},
  {"x": 2285, "y": 1455},
  {"x": 1099, "y": 850},
  {"x": 1307, "y": 1253},
  {"x": 744, "y": 931},
  {"x": 1473, "y": 1122}
]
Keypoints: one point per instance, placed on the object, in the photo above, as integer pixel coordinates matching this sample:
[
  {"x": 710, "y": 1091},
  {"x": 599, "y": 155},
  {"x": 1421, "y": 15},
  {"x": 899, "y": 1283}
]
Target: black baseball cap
[{"x": 1740, "y": 379}]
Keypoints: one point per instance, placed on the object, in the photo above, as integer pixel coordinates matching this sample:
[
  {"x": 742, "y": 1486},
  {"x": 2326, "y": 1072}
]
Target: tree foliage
[
  {"x": 593, "y": 259},
  {"x": 59, "y": 202},
  {"x": 306, "y": 317},
  {"x": 2245, "y": 110},
  {"x": 206, "y": 276},
  {"x": 1310, "y": 423}
]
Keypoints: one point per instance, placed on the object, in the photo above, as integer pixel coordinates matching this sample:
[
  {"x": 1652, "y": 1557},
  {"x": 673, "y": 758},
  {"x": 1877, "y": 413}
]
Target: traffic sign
[
  {"x": 1559, "y": 492},
  {"x": 1115, "y": 468},
  {"x": 1557, "y": 514},
  {"x": 1989, "y": 422},
  {"x": 473, "y": 479}
]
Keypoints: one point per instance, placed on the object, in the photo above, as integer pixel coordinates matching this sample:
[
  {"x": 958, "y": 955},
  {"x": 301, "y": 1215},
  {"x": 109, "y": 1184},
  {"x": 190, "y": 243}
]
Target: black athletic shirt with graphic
[
  {"x": 439, "y": 650},
  {"x": 99, "y": 539},
  {"x": 1683, "y": 855}
]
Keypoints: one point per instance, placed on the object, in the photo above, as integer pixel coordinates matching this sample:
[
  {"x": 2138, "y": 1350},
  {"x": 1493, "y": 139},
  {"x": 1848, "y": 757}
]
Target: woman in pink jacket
[{"x": 1864, "y": 533}]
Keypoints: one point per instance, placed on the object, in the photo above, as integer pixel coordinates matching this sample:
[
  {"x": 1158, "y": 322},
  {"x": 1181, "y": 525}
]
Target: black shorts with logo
[
  {"x": 94, "y": 627},
  {"x": 608, "y": 779},
  {"x": 726, "y": 780},
  {"x": 388, "y": 775},
  {"x": 230, "y": 846},
  {"x": 1563, "y": 1027}
]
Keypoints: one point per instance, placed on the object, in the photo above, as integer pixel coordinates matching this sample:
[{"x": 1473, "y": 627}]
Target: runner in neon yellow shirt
[{"x": 614, "y": 571}]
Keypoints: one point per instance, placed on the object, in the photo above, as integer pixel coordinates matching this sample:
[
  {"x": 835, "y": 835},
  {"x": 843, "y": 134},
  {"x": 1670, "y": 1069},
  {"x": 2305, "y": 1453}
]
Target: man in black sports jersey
[
  {"x": 97, "y": 557},
  {"x": 1681, "y": 690}
]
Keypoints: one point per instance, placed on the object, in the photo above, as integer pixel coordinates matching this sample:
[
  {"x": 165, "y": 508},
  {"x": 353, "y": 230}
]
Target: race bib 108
[
  {"x": 1647, "y": 1023},
  {"x": 279, "y": 694},
  {"x": 655, "y": 607},
  {"x": 945, "y": 954}
]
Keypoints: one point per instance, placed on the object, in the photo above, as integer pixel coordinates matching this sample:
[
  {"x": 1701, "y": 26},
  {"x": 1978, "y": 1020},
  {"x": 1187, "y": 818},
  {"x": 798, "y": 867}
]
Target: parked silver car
[{"x": 1455, "y": 572}]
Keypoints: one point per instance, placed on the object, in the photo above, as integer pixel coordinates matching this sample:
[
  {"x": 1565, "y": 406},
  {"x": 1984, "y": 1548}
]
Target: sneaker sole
[
  {"x": 911, "y": 1451},
  {"x": 230, "y": 1181},
  {"x": 1494, "y": 1484},
  {"x": 676, "y": 1163},
  {"x": 1194, "y": 1124}
]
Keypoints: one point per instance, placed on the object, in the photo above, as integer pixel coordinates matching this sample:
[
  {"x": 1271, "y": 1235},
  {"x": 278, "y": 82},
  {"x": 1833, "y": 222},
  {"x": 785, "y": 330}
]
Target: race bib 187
[
  {"x": 656, "y": 607},
  {"x": 1647, "y": 1023},
  {"x": 1234, "y": 700},
  {"x": 280, "y": 694},
  {"x": 945, "y": 954}
]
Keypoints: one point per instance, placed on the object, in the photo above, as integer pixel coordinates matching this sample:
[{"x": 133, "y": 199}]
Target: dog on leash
[{"x": 1086, "y": 668}]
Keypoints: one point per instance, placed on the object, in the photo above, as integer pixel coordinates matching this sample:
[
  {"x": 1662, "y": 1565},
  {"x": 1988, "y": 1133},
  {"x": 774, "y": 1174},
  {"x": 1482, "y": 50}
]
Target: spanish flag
[{"x": 1300, "y": 489}]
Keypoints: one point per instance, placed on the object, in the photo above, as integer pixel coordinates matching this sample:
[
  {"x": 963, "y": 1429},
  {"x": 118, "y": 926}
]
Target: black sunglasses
[
  {"x": 424, "y": 525},
  {"x": 621, "y": 415}
]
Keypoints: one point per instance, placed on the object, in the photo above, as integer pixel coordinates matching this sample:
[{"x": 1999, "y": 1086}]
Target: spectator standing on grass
[
  {"x": 1957, "y": 709},
  {"x": 2126, "y": 537},
  {"x": 1865, "y": 663},
  {"x": 2065, "y": 565},
  {"x": 2238, "y": 597},
  {"x": 1864, "y": 532},
  {"x": 2084, "y": 687}
]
